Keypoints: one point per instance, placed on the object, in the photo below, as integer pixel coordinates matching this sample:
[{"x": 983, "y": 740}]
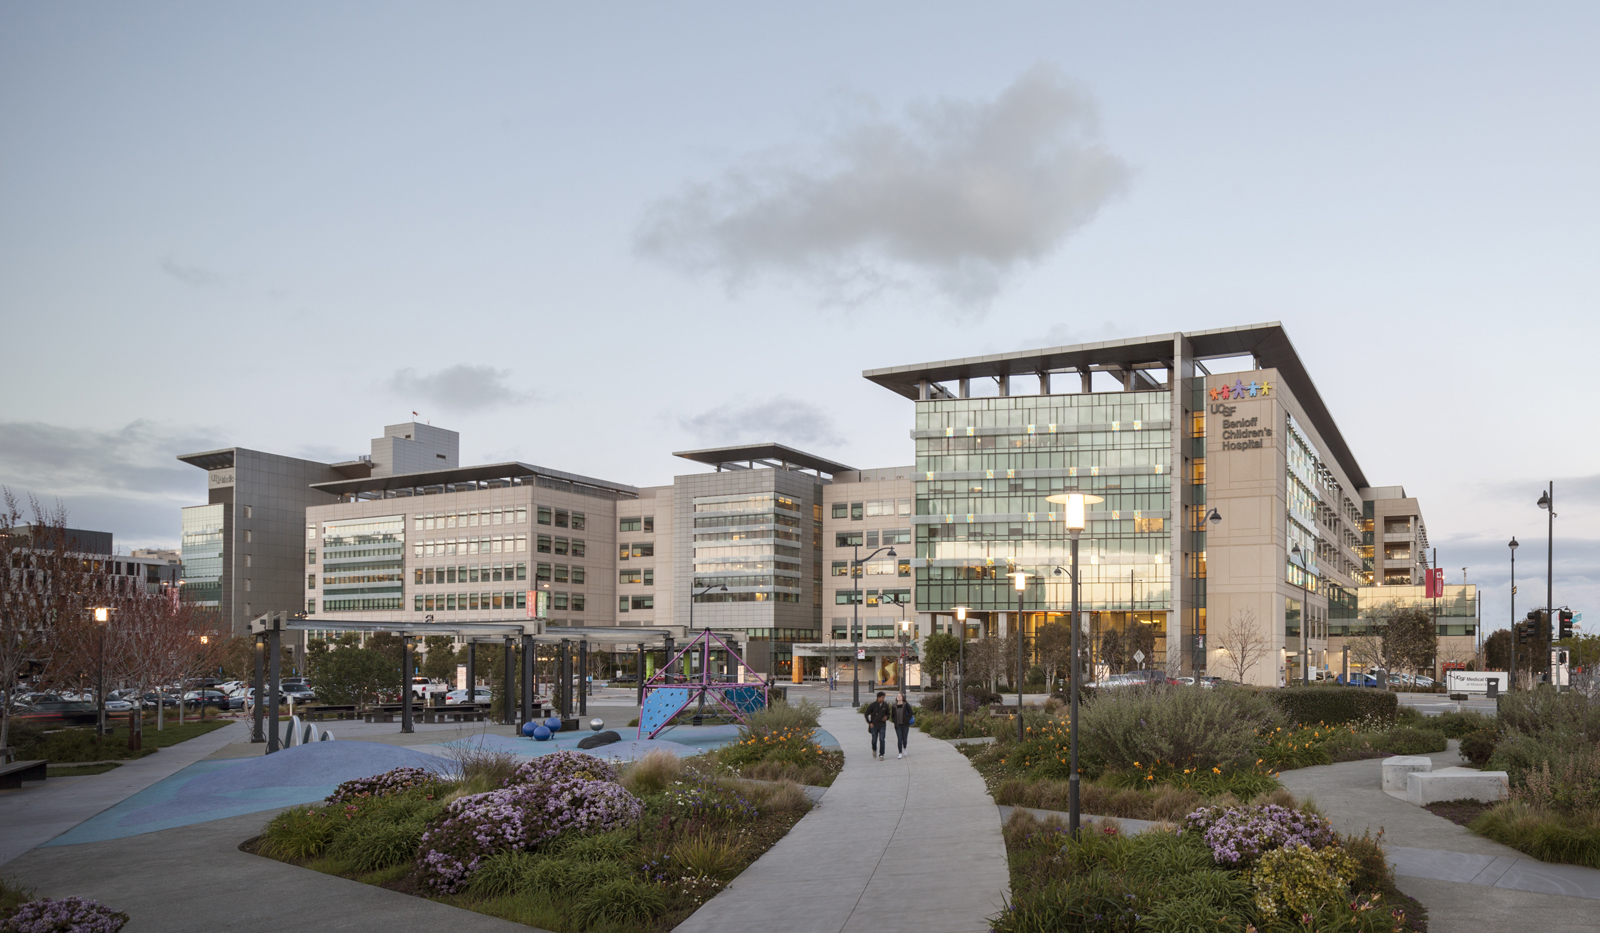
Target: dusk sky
[{"x": 588, "y": 236}]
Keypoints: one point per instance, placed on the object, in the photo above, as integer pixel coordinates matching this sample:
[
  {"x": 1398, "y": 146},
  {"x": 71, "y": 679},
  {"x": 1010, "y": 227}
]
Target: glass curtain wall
[
  {"x": 202, "y": 554},
  {"x": 363, "y": 564},
  {"x": 984, "y": 470},
  {"x": 750, "y": 544}
]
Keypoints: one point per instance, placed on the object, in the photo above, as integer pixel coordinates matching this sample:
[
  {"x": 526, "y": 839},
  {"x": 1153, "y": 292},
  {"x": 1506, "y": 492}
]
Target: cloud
[
  {"x": 782, "y": 419},
  {"x": 124, "y": 480},
  {"x": 460, "y": 387},
  {"x": 953, "y": 196},
  {"x": 198, "y": 276}
]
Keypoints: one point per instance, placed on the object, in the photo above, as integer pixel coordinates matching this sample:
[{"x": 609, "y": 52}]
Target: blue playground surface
[{"x": 214, "y": 790}]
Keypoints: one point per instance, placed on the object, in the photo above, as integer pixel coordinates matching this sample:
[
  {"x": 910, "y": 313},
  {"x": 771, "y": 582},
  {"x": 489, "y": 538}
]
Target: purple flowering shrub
[
  {"x": 517, "y": 818},
  {"x": 387, "y": 784},
  {"x": 64, "y": 915},
  {"x": 562, "y": 766},
  {"x": 1238, "y": 836}
]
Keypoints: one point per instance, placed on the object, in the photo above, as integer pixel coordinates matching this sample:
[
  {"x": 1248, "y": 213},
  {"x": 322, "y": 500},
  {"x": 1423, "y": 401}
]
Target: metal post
[
  {"x": 705, "y": 672},
  {"x": 1550, "y": 579},
  {"x": 273, "y": 685},
  {"x": 1019, "y": 664},
  {"x": 472, "y": 673},
  {"x": 529, "y": 658},
  {"x": 259, "y": 694},
  {"x": 641, "y": 674},
  {"x": 508, "y": 699},
  {"x": 1512, "y": 685},
  {"x": 1077, "y": 674},
  {"x": 855, "y": 629},
  {"x": 583, "y": 678},
  {"x": 408, "y": 668},
  {"x": 1346, "y": 673},
  {"x": 961, "y": 682}
]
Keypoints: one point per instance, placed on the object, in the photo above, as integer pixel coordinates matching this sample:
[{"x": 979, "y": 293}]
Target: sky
[{"x": 588, "y": 237}]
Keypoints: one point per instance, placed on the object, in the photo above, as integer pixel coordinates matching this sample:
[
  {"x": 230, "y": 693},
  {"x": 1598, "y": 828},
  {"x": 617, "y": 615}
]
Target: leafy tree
[
  {"x": 939, "y": 648},
  {"x": 1410, "y": 640},
  {"x": 1497, "y": 651},
  {"x": 390, "y": 646},
  {"x": 440, "y": 662},
  {"x": 351, "y": 675}
]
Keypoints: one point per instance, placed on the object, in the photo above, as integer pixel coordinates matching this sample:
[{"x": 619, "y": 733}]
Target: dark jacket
[
  {"x": 878, "y": 713},
  {"x": 901, "y": 714}
]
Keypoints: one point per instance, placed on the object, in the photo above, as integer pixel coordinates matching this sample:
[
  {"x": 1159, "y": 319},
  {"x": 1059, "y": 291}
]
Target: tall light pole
[
  {"x": 1075, "y": 516},
  {"x": 1021, "y": 578},
  {"x": 102, "y": 615},
  {"x": 905, "y": 634},
  {"x": 961, "y": 673},
  {"x": 1513, "y": 672},
  {"x": 855, "y": 621},
  {"x": 1547, "y": 501},
  {"x": 1299, "y": 556}
]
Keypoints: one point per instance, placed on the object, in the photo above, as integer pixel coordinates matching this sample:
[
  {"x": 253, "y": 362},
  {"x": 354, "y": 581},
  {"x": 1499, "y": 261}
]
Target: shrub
[
  {"x": 1546, "y": 712},
  {"x": 606, "y": 847},
  {"x": 482, "y": 769},
  {"x": 1294, "y": 880},
  {"x": 1405, "y": 741},
  {"x": 517, "y": 818},
  {"x": 387, "y": 784},
  {"x": 1547, "y": 836},
  {"x": 782, "y": 717},
  {"x": 562, "y": 766},
  {"x": 499, "y": 875},
  {"x": 1186, "y": 728},
  {"x": 64, "y": 915},
  {"x": 652, "y": 773},
  {"x": 1478, "y": 747},
  {"x": 299, "y": 833},
  {"x": 933, "y": 702},
  {"x": 1460, "y": 725},
  {"x": 1518, "y": 754},
  {"x": 709, "y": 801},
  {"x": 1239, "y": 836},
  {"x": 623, "y": 901},
  {"x": 709, "y": 855},
  {"x": 978, "y": 696},
  {"x": 1572, "y": 787},
  {"x": 1335, "y": 705}
]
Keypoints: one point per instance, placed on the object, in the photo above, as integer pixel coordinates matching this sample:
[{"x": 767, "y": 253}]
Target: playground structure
[{"x": 663, "y": 700}]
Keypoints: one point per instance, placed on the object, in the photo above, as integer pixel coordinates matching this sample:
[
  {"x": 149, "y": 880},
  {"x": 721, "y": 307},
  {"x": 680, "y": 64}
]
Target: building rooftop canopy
[
  {"x": 1268, "y": 343},
  {"x": 210, "y": 459},
  {"x": 772, "y": 454},
  {"x": 472, "y": 475}
]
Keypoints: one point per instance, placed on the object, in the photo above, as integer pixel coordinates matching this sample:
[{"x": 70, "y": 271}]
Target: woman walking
[{"x": 901, "y": 714}]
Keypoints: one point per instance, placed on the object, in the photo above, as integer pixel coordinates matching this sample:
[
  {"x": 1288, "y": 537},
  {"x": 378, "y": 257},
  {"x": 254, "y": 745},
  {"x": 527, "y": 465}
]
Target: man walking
[{"x": 878, "y": 713}]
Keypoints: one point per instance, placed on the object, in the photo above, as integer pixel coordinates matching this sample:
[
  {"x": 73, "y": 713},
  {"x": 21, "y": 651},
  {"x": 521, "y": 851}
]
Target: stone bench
[
  {"x": 1423, "y": 787},
  {"x": 1397, "y": 768}
]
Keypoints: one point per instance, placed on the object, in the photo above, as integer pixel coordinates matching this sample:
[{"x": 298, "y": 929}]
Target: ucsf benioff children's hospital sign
[{"x": 1245, "y": 422}]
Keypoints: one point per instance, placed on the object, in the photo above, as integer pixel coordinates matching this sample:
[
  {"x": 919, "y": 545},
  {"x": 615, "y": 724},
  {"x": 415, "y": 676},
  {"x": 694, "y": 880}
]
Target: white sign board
[
  {"x": 1473, "y": 681},
  {"x": 1138, "y": 657}
]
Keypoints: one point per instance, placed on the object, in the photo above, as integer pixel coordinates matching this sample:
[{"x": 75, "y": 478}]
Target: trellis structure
[{"x": 663, "y": 700}]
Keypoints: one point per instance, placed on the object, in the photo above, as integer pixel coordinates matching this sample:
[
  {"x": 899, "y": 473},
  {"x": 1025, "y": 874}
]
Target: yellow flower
[{"x": 1136, "y": 764}]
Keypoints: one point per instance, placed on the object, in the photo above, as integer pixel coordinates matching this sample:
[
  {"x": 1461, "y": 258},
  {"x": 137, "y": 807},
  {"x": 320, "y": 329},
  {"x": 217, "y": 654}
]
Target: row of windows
[
  {"x": 563, "y": 518},
  {"x": 746, "y": 503},
  {"x": 624, "y": 603},
  {"x": 874, "y": 568},
  {"x": 396, "y": 576},
  {"x": 639, "y": 549},
  {"x": 715, "y": 597},
  {"x": 1060, "y": 461},
  {"x": 644, "y": 523},
  {"x": 766, "y": 534},
  {"x": 562, "y": 573},
  {"x": 473, "y": 573},
  {"x": 842, "y": 633},
  {"x": 873, "y": 597},
  {"x": 647, "y": 576},
  {"x": 548, "y": 545},
  {"x": 369, "y": 604},
  {"x": 747, "y": 550},
  {"x": 1021, "y": 411},
  {"x": 871, "y": 538},
  {"x": 856, "y": 511},
  {"x": 767, "y": 518},
  {"x": 453, "y": 547},
  {"x": 746, "y": 580},
  {"x": 436, "y": 521},
  {"x": 361, "y": 530}
]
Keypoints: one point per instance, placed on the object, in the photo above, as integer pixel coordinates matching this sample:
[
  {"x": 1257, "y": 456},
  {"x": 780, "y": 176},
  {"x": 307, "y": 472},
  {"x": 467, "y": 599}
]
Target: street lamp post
[
  {"x": 102, "y": 615},
  {"x": 700, "y": 708},
  {"x": 1547, "y": 501},
  {"x": 1075, "y": 517},
  {"x": 961, "y": 673},
  {"x": 1305, "y": 615},
  {"x": 855, "y": 621},
  {"x": 1021, "y": 578},
  {"x": 1513, "y": 672},
  {"x": 905, "y": 633}
]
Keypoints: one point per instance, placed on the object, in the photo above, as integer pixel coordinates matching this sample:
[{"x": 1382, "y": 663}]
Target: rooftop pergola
[{"x": 772, "y": 454}]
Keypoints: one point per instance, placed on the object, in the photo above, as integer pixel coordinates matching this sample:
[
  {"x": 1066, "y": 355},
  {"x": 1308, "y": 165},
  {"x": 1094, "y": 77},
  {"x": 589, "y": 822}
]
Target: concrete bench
[
  {"x": 1397, "y": 768},
  {"x": 1423, "y": 788},
  {"x": 12, "y": 775}
]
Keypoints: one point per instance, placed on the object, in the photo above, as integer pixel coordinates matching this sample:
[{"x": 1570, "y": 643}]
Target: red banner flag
[{"x": 1435, "y": 584}]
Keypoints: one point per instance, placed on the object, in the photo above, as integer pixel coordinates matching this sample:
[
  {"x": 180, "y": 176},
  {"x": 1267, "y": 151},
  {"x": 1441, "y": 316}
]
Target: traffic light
[
  {"x": 1536, "y": 621},
  {"x": 1565, "y": 617},
  {"x": 1524, "y": 632}
]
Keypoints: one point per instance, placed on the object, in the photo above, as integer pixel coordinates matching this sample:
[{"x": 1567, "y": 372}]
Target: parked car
[
  {"x": 426, "y": 689},
  {"x": 455, "y": 697},
  {"x": 1135, "y": 679},
  {"x": 59, "y": 713},
  {"x": 300, "y": 693},
  {"x": 195, "y": 699},
  {"x": 118, "y": 706}
]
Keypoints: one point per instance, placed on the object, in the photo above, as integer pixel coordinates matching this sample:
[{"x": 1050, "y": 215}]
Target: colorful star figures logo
[{"x": 1239, "y": 390}]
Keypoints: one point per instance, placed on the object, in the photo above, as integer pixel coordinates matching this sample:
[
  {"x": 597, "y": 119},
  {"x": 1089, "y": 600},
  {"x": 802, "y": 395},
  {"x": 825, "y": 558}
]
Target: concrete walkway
[
  {"x": 194, "y": 879},
  {"x": 908, "y": 845},
  {"x": 37, "y": 813}
]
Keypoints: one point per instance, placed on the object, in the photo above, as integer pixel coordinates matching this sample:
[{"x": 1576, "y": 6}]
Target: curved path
[{"x": 908, "y": 844}]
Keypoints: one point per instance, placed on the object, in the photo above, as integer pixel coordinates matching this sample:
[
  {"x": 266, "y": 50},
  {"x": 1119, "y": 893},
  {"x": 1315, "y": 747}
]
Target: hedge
[{"x": 1334, "y": 705}]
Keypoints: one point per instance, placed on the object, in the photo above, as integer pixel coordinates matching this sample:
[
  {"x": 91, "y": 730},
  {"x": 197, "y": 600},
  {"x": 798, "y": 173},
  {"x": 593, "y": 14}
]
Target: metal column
[
  {"x": 583, "y": 678},
  {"x": 408, "y": 668},
  {"x": 527, "y": 679},
  {"x": 509, "y": 693},
  {"x": 273, "y": 694},
  {"x": 564, "y": 680},
  {"x": 257, "y": 733},
  {"x": 641, "y": 675},
  {"x": 472, "y": 673}
]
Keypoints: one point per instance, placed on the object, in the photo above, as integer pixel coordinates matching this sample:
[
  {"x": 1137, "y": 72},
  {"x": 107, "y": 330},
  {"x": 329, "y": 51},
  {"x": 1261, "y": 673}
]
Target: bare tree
[
  {"x": 1053, "y": 647},
  {"x": 1243, "y": 644}
]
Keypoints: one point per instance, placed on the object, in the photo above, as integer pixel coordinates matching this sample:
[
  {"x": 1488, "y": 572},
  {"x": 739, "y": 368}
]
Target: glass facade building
[
  {"x": 204, "y": 533},
  {"x": 363, "y": 564}
]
